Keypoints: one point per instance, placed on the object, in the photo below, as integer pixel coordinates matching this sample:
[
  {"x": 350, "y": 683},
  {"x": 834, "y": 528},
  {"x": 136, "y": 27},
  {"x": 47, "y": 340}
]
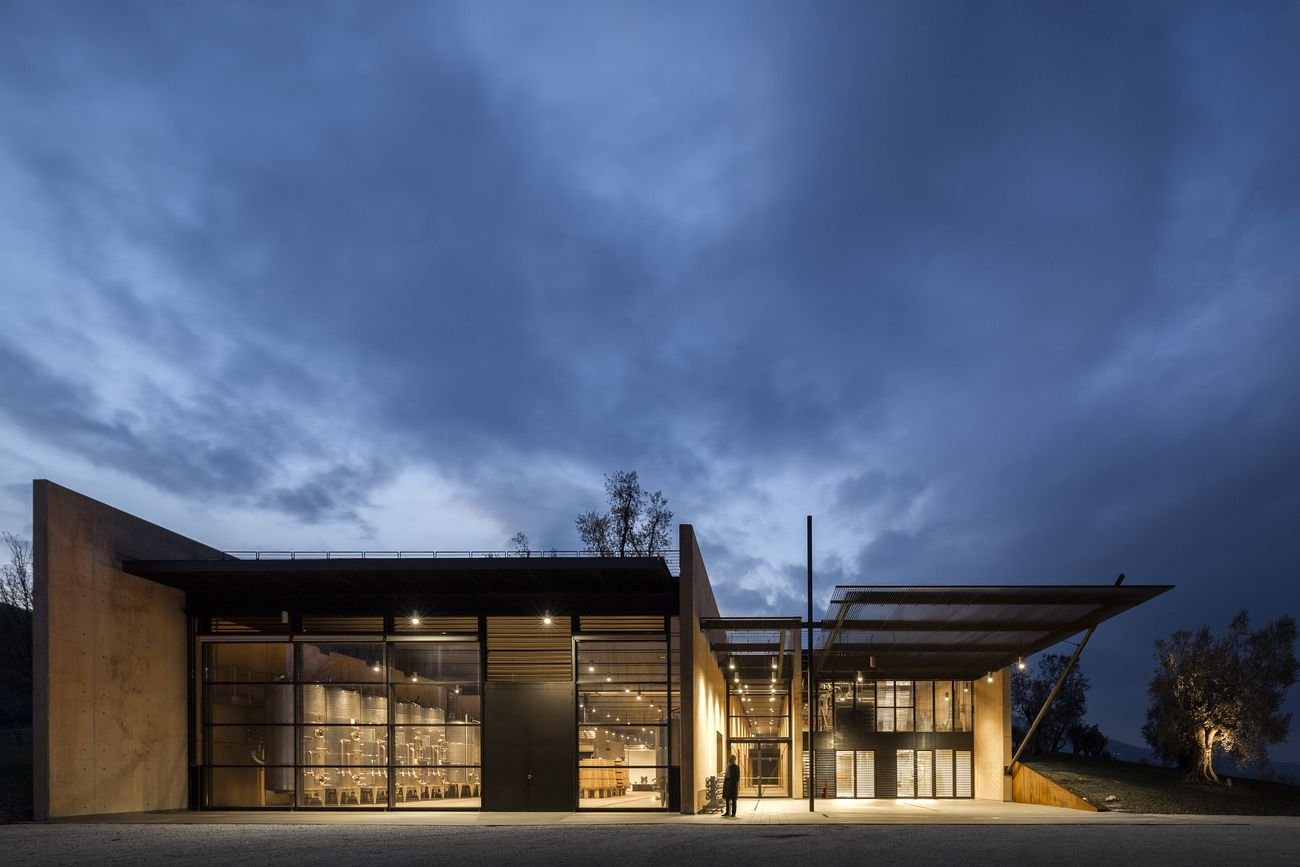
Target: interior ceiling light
[
  {"x": 732, "y": 665},
  {"x": 415, "y": 620},
  {"x": 774, "y": 663},
  {"x": 1020, "y": 663},
  {"x": 859, "y": 677},
  {"x": 591, "y": 668},
  {"x": 989, "y": 677},
  {"x": 546, "y": 620}
]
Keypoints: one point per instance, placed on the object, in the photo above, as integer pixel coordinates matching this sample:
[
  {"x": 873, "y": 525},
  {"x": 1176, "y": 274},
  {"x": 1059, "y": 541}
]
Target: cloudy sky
[{"x": 999, "y": 293}]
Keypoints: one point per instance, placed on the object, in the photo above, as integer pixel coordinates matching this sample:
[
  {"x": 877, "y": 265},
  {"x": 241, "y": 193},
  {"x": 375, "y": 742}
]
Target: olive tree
[{"x": 1222, "y": 693}]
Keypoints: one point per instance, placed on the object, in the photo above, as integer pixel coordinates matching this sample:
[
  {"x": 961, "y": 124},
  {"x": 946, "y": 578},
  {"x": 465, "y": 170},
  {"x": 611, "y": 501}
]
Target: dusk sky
[{"x": 998, "y": 292}]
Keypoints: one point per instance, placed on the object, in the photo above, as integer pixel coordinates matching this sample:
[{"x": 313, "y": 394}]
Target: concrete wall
[
  {"x": 704, "y": 687},
  {"x": 993, "y": 736},
  {"x": 110, "y": 661}
]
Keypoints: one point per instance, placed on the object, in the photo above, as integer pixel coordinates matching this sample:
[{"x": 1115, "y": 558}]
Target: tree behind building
[
  {"x": 1029, "y": 690},
  {"x": 637, "y": 523}
]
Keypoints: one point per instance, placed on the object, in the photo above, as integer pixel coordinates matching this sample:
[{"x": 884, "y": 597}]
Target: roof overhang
[
  {"x": 754, "y": 646},
  {"x": 614, "y": 585},
  {"x": 958, "y": 631}
]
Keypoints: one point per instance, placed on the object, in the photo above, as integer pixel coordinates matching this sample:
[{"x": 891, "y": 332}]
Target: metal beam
[
  {"x": 1059, "y": 594},
  {"x": 1007, "y": 625},
  {"x": 878, "y": 648},
  {"x": 751, "y": 624},
  {"x": 748, "y": 647}
]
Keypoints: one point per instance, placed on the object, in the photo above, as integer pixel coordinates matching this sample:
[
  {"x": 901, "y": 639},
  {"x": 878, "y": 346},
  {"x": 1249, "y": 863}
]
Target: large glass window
[
  {"x": 905, "y": 769},
  {"x": 623, "y": 715},
  {"x": 924, "y": 692},
  {"x": 763, "y": 768},
  {"x": 964, "y": 788},
  {"x": 866, "y": 703},
  {"x": 925, "y": 773},
  {"x": 962, "y": 718},
  {"x": 894, "y": 711},
  {"x": 342, "y": 731},
  {"x": 341, "y": 723},
  {"x": 844, "y": 773},
  {"x": 437, "y": 724},
  {"x": 943, "y": 705},
  {"x": 943, "y": 774},
  {"x": 865, "y": 766},
  {"x": 248, "y": 708}
]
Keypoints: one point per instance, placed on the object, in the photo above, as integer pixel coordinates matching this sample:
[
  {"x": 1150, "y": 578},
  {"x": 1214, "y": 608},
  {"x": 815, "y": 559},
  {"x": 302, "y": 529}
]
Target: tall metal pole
[{"x": 812, "y": 684}]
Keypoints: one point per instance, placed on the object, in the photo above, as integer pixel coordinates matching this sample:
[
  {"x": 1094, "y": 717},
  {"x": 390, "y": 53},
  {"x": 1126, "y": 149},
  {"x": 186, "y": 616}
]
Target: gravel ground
[{"x": 1238, "y": 841}]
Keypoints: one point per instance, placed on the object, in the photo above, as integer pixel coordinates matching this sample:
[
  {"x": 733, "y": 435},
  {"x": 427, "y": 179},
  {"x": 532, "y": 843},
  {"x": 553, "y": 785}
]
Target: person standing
[{"x": 731, "y": 788}]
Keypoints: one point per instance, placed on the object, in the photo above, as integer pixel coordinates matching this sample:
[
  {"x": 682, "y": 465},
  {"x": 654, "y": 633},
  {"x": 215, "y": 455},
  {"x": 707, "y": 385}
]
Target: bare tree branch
[{"x": 16, "y": 614}]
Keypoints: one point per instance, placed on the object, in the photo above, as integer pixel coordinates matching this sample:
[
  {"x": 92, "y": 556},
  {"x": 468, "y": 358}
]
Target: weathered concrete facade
[{"x": 110, "y": 699}]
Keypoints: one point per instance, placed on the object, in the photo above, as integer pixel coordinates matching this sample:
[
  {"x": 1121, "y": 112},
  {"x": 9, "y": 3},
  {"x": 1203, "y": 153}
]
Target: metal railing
[{"x": 671, "y": 558}]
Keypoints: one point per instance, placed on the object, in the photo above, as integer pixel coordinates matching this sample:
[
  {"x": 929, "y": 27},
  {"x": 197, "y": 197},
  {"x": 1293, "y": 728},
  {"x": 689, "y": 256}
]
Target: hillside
[{"x": 1138, "y": 788}]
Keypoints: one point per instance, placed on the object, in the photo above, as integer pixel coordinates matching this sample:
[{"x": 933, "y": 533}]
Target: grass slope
[{"x": 1136, "y": 788}]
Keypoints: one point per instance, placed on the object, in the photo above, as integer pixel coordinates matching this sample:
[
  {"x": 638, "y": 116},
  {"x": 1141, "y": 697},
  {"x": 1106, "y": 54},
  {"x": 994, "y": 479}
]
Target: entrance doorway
[
  {"x": 529, "y": 757},
  {"x": 764, "y": 768}
]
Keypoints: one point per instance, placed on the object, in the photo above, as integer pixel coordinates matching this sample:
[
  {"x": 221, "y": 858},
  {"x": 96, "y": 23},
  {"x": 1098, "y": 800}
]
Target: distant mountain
[
  {"x": 1283, "y": 772},
  {"x": 1129, "y": 753}
]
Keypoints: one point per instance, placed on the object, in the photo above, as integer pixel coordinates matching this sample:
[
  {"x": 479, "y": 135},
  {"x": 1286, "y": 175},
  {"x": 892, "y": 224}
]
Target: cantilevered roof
[
  {"x": 958, "y": 631},
  {"x": 623, "y": 585}
]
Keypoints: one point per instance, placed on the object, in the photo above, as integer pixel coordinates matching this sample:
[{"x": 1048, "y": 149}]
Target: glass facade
[
  {"x": 897, "y": 739},
  {"x": 361, "y": 723},
  {"x": 759, "y": 712},
  {"x": 623, "y": 722},
  {"x": 395, "y": 721}
]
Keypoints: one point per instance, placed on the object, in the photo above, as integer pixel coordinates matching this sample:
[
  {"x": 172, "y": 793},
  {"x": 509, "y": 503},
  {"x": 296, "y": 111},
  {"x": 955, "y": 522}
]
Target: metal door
[{"x": 530, "y": 747}]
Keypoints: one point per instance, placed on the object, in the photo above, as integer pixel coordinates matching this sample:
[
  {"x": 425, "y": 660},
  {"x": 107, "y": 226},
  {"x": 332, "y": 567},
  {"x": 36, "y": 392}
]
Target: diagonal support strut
[{"x": 1051, "y": 696}]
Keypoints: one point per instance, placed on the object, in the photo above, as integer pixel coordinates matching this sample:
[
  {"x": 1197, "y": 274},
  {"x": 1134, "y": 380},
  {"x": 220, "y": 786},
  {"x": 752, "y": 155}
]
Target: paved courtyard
[{"x": 775, "y": 832}]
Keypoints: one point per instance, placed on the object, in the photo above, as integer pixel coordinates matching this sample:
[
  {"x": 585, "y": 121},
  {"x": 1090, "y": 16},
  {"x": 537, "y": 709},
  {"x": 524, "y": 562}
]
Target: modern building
[{"x": 170, "y": 675}]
